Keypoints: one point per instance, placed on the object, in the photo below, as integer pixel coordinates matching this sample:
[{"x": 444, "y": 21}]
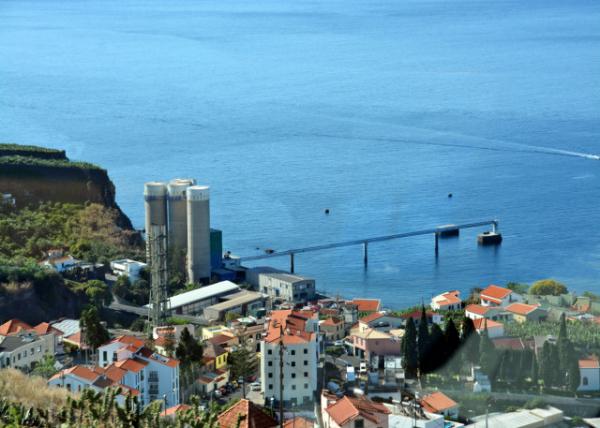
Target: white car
[{"x": 255, "y": 386}]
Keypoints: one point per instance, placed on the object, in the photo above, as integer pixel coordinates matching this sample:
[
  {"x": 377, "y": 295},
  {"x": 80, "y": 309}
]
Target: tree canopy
[{"x": 548, "y": 287}]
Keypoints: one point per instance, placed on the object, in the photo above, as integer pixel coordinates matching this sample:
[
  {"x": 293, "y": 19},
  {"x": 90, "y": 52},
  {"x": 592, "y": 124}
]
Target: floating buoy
[
  {"x": 269, "y": 251},
  {"x": 327, "y": 211},
  {"x": 449, "y": 195}
]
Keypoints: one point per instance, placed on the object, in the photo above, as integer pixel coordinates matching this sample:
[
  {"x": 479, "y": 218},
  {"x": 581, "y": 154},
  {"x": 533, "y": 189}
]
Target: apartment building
[
  {"x": 25, "y": 349},
  {"x": 298, "y": 333}
]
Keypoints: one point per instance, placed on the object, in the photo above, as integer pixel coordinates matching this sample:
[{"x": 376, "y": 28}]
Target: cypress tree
[
  {"x": 546, "y": 366},
  {"x": 487, "y": 355},
  {"x": 534, "y": 371},
  {"x": 410, "y": 361},
  {"x": 437, "y": 357},
  {"x": 452, "y": 341},
  {"x": 470, "y": 341},
  {"x": 558, "y": 377},
  {"x": 423, "y": 342},
  {"x": 564, "y": 351},
  {"x": 574, "y": 375}
]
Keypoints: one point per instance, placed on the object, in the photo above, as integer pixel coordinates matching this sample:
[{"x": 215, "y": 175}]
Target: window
[
  {"x": 305, "y": 374},
  {"x": 294, "y": 387},
  {"x": 293, "y": 375},
  {"x": 306, "y": 362},
  {"x": 293, "y": 364},
  {"x": 270, "y": 363},
  {"x": 293, "y": 352},
  {"x": 31, "y": 351},
  {"x": 359, "y": 423},
  {"x": 270, "y": 375},
  {"x": 584, "y": 381},
  {"x": 270, "y": 386},
  {"x": 270, "y": 352},
  {"x": 306, "y": 351},
  {"x": 104, "y": 356},
  {"x": 306, "y": 386}
]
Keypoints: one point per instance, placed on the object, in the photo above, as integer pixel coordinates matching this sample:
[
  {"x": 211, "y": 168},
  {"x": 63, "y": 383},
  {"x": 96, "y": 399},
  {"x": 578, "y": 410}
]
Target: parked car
[{"x": 255, "y": 386}]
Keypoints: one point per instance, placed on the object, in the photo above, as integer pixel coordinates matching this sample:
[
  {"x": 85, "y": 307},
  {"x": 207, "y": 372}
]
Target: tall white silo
[
  {"x": 177, "y": 209},
  {"x": 155, "y": 203},
  {"x": 198, "y": 233}
]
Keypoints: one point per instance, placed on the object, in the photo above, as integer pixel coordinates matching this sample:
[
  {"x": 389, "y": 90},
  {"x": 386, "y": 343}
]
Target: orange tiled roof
[
  {"x": 44, "y": 328},
  {"x": 450, "y": 298},
  {"x": 174, "y": 409},
  {"x": 294, "y": 326},
  {"x": 332, "y": 322},
  {"x": 477, "y": 309},
  {"x": 171, "y": 362},
  {"x": 589, "y": 363},
  {"x": 298, "y": 422},
  {"x": 481, "y": 323},
  {"x": 495, "y": 292},
  {"x": 132, "y": 365},
  {"x": 13, "y": 326},
  {"x": 129, "y": 340},
  {"x": 437, "y": 402},
  {"x": 371, "y": 317},
  {"x": 220, "y": 339},
  {"x": 114, "y": 373},
  {"x": 79, "y": 371},
  {"x": 251, "y": 415},
  {"x": 521, "y": 308},
  {"x": 347, "y": 409},
  {"x": 366, "y": 305}
]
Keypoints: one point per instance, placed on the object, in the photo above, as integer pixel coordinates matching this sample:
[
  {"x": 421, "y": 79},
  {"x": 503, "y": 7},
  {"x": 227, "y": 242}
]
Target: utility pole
[{"x": 281, "y": 375}]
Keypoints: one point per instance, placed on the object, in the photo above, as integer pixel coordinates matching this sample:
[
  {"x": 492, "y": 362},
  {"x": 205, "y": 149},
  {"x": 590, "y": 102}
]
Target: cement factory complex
[{"x": 274, "y": 352}]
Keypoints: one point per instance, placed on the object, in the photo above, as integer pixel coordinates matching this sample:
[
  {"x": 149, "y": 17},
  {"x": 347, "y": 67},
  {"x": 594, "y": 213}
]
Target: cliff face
[{"x": 48, "y": 176}]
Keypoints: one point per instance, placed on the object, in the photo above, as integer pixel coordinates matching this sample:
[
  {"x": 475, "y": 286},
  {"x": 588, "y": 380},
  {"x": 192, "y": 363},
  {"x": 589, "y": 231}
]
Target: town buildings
[
  {"x": 282, "y": 285},
  {"x": 494, "y": 295},
  {"x": 522, "y": 312},
  {"x": 589, "y": 369},
  {"x": 353, "y": 412},
  {"x": 447, "y": 301},
  {"x": 298, "y": 333}
]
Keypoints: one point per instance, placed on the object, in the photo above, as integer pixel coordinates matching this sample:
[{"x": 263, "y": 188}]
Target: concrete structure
[
  {"x": 407, "y": 415},
  {"x": 353, "y": 412},
  {"x": 154, "y": 376},
  {"x": 447, "y": 301},
  {"x": 128, "y": 267},
  {"x": 243, "y": 303},
  {"x": 494, "y": 295},
  {"x": 533, "y": 418},
  {"x": 589, "y": 370},
  {"x": 193, "y": 302},
  {"x": 25, "y": 349},
  {"x": 332, "y": 329},
  {"x": 177, "y": 210},
  {"x": 281, "y": 285},
  {"x": 155, "y": 204},
  {"x": 298, "y": 332},
  {"x": 216, "y": 249},
  {"x": 373, "y": 346},
  {"x": 198, "y": 233}
]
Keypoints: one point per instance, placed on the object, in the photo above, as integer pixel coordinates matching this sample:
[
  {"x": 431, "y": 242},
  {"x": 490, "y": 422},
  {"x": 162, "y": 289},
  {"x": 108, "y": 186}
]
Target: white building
[
  {"x": 282, "y": 285},
  {"x": 128, "y": 267},
  {"x": 193, "y": 302},
  {"x": 589, "y": 370},
  {"x": 494, "y": 295},
  {"x": 494, "y": 328},
  {"x": 447, "y": 301},
  {"x": 300, "y": 356},
  {"x": 25, "y": 349}
]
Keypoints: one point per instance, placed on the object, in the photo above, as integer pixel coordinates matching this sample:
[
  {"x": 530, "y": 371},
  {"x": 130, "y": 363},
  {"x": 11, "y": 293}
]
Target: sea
[{"x": 374, "y": 109}]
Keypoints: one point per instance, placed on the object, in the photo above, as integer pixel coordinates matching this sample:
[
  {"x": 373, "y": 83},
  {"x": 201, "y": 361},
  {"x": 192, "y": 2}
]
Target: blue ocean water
[{"x": 373, "y": 109}]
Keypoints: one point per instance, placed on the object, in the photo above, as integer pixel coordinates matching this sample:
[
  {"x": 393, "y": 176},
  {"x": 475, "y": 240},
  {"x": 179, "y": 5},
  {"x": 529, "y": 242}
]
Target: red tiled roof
[
  {"x": 114, "y": 373},
  {"x": 477, "y": 309},
  {"x": 129, "y": 340},
  {"x": 298, "y": 422},
  {"x": 347, "y": 409},
  {"x": 220, "y": 339},
  {"x": 481, "y": 323},
  {"x": 175, "y": 409},
  {"x": 146, "y": 352},
  {"x": 79, "y": 371},
  {"x": 589, "y": 363},
  {"x": 510, "y": 343},
  {"x": 294, "y": 326},
  {"x": 366, "y": 305},
  {"x": 371, "y": 317},
  {"x": 521, "y": 308},
  {"x": 251, "y": 416},
  {"x": 495, "y": 292},
  {"x": 132, "y": 365},
  {"x": 13, "y": 326},
  {"x": 416, "y": 314},
  {"x": 437, "y": 402},
  {"x": 44, "y": 328}
]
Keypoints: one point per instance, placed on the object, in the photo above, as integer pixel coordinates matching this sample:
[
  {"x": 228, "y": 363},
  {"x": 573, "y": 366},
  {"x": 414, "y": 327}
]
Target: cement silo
[
  {"x": 198, "y": 233},
  {"x": 178, "y": 214},
  {"x": 155, "y": 198}
]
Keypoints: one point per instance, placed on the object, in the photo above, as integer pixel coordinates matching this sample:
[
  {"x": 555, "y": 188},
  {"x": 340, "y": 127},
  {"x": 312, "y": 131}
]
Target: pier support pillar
[
  {"x": 437, "y": 244},
  {"x": 292, "y": 263},
  {"x": 494, "y": 226},
  {"x": 365, "y": 253}
]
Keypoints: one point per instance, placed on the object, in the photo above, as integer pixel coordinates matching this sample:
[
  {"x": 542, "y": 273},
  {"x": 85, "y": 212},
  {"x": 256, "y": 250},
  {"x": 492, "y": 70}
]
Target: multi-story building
[
  {"x": 25, "y": 349},
  {"x": 155, "y": 376},
  {"x": 281, "y": 285},
  {"x": 298, "y": 333},
  {"x": 332, "y": 328},
  {"x": 128, "y": 267}
]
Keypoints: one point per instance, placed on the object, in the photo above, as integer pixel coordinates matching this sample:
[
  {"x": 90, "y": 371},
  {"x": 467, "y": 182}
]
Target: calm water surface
[{"x": 373, "y": 109}]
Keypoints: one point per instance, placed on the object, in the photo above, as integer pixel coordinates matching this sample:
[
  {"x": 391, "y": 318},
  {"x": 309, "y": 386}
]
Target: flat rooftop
[
  {"x": 202, "y": 293},
  {"x": 236, "y": 299}
]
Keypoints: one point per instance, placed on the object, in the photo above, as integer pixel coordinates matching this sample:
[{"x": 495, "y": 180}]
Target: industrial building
[
  {"x": 281, "y": 285},
  {"x": 193, "y": 302},
  {"x": 244, "y": 303}
]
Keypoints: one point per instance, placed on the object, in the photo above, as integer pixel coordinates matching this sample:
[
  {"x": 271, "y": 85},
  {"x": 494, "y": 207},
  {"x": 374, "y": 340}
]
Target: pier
[{"x": 437, "y": 232}]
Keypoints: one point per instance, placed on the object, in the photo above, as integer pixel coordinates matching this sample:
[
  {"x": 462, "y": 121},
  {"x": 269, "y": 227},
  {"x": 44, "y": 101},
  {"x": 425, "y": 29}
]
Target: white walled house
[
  {"x": 494, "y": 295},
  {"x": 589, "y": 370},
  {"x": 494, "y": 328},
  {"x": 128, "y": 267},
  {"x": 25, "y": 349},
  {"x": 447, "y": 301},
  {"x": 301, "y": 355}
]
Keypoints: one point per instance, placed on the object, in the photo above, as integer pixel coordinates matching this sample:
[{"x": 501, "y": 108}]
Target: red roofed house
[
  {"x": 13, "y": 326},
  {"x": 298, "y": 422},
  {"x": 494, "y": 295},
  {"x": 380, "y": 322},
  {"x": 332, "y": 328},
  {"x": 299, "y": 332},
  {"x": 447, "y": 301},
  {"x": 246, "y": 414},
  {"x": 350, "y": 412},
  {"x": 589, "y": 369},
  {"x": 494, "y": 328},
  {"x": 522, "y": 312},
  {"x": 495, "y": 313},
  {"x": 366, "y": 305},
  {"x": 440, "y": 403}
]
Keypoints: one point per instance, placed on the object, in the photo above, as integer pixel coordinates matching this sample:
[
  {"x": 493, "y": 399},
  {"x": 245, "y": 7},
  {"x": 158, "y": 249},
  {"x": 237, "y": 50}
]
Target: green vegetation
[
  {"x": 18, "y": 160},
  {"x": 517, "y": 287},
  {"x": 94, "y": 333},
  {"x": 583, "y": 335},
  {"x": 137, "y": 293},
  {"x": 242, "y": 363},
  {"x": 35, "y": 151},
  {"x": 86, "y": 231},
  {"x": 548, "y": 287},
  {"x": 45, "y": 368},
  {"x": 96, "y": 291}
]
